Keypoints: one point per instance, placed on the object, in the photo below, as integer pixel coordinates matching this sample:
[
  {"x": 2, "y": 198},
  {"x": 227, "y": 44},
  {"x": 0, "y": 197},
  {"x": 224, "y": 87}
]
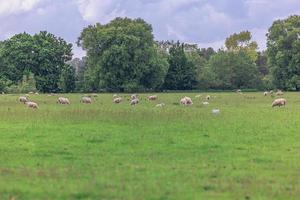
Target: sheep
[
  {"x": 134, "y": 96},
  {"x": 31, "y": 104},
  {"x": 152, "y": 98},
  {"x": 115, "y": 96},
  {"x": 239, "y": 91},
  {"x": 160, "y": 105},
  {"x": 279, "y": 93},
  {"x": 86, "y": 100},
  {"x": 134, "y": 102},
  {"x": 30, "y": 92},
  {"x": 208, "y": 97},
  {"x": 36, "y": 93},
  {"x": 23, "y": 99},
  {"x": 271, "y": 92},
  {"x": 186, "y": 101},
  {"x": 63, "y": 100},
  {"x": 279, "y": 102},
  {"x": 205, "y": 103},
  {"x": 118, "y": 100},
  {"x": 266, "y": 93},
  {"x": 216, "y": 111}
]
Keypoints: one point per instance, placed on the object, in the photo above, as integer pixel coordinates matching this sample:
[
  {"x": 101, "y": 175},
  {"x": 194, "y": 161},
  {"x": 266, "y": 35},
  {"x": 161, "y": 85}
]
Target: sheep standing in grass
[
  {"x": 63, "y": 100},
  {"x": 205, "y": 103},
  {"x": 160, "y": 105},
  {"x": 279, "y": 102},
  {"x": 134, "y": 96},
  {"x": 152, "y": 98},
  {"x": 208, "y": 97},
  {"x": 279, "y": 93},
  {"x": 186, "y": 101},
  {"x": 23, "y": 99},
  {"x": 86, "y": 100},
  {"x": 134, "y": 102},
  {"x": 266, "y": 93},
  {"x": 31, "y": 104},
  {"x": 115, "y": 96},
  {"x": 118, "y": 100}
]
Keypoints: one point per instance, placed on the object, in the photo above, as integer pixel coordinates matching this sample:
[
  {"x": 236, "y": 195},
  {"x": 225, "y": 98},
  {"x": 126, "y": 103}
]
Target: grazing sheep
[
  {"x": 134, "y": 102},
  {"x": 31, "y": 104},
  {"x": 279, "y": 93},
  {"x": 152, "y": 98},
  {"x": 186, "y": 101},
  {"x": 239, "y": 91},
  {"x": 115, "y": 96},
  {"x": 266, "y": 93},
  {"x": 279, "y": 102},
  {"x": 36, "y": 93},
  {"x": 205, "y": 103},
  {"x": 215, "y": 111},
  {"x": 134, "y": 96},
  {"x": 208, "y": 97},
  {"x": 63, "y": 100},
  {"x": 118, "y": 100},
  {"x": 160, "y": 105},
  {"x": 23, "y": 99},
  {"x": 86, "y": 100}
]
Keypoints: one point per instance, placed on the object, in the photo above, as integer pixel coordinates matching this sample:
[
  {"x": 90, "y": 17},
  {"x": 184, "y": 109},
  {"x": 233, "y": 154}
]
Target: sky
[{"x": 203, "y": 22}]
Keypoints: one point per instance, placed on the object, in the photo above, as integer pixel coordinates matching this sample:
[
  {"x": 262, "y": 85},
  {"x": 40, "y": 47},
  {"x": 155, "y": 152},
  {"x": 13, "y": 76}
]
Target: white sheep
[
  {"x": 86, "y": 100},
  {"x": 216, "y": 111},
  {"x": 160, "y": 105},
  {"x": 31, "y": 104},
  {"x": 186, "y": 101},
  {"x": 152, "y": 98},
  {"x": 23, "y": 99},
  {"x": 63, "y": 100},
  {"x": 279, "y": 102},
  {"x": 117, "y": 100},
  {"x": 208, "y": 97},
  {"x": 205, "y": 103},
  {"x": 279, "y": 93},
  {"x": 134, "y": 102}
]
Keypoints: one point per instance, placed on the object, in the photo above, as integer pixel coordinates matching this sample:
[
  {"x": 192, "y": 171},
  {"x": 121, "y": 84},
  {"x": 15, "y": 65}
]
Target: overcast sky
[{"x": 205, "y": 22}]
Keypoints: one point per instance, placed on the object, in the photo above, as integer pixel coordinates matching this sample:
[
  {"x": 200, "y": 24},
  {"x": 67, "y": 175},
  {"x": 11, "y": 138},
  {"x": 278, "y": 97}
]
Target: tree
[
  {"x": 121, "y": 56},
  {"x": 17, "y": 57},
  {"x": 242, "y": 42},
  {"x": 182, "y": 72},
  {"x": 67, "y": 79},
  {"x": 51, "y": 54},
  {"x": 283, "y": 49},
  {"x": 42, "y": 54},
  {"x": 233, "y": 70}
]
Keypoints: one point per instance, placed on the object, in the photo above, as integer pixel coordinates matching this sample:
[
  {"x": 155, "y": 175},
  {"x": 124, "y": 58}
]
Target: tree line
[{"x": 123, "y": 56}]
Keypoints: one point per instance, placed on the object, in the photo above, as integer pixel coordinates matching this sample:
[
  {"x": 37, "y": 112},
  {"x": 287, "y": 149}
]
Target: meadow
[{"x": 117, "y": 151}]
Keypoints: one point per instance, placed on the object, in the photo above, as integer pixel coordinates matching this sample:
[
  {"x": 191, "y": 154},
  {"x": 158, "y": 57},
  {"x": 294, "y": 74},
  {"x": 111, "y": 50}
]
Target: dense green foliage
[
  {"x": 123, "y": 56},
  {"x": 182, "y": 72},
  {"x": 43, "y": 54},
  {"x": 110, "y": 151},
  {"x": 284, "y": 52}
]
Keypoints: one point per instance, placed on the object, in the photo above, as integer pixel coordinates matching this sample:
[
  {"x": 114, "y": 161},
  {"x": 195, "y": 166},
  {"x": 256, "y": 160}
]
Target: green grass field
[{"x": 116, "y": 151}]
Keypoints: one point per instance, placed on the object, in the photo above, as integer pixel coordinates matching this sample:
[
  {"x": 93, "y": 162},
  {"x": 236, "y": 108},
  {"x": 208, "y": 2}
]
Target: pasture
[{"x": 117, "y": 151}]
